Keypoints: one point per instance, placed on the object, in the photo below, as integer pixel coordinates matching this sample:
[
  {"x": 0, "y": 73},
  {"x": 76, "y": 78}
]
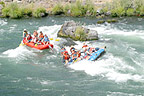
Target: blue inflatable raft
[
  {"x": 97, "y": 54},
  {"x": 94, "y": 56}
]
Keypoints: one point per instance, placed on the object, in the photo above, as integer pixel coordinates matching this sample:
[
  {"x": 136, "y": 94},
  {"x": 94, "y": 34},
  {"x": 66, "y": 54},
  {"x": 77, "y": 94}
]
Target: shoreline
[{"x": 77, "y": 8}]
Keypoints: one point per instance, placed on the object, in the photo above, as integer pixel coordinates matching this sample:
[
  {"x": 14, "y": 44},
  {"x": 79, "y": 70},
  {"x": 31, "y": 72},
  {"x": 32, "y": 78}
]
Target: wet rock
[
  {"x": 112, "y": 21},
  {"x": 74, "y": 31},
  {"x": 66, "y": 42},
  {"x": 69, "y": 12},
  {"x": 100, "y": 22},
  {"x": 43, "y": 14},
  {"x": 88, "y": 13}
]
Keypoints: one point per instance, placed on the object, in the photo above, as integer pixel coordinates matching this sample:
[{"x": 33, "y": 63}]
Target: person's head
[
  {"x": 25, "y": 30},
  {"x": 45, "y": 35},
  {"x": 35, "y": 31},
  {"x": 73, "y": 50},
  {"x": 41, "y": 32},
  {"x": 62, "y": 48}
]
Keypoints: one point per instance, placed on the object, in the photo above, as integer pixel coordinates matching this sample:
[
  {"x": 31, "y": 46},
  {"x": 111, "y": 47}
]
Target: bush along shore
[
  {"x": 16, "y": 11},
  {"x": 115, "y": 8}
]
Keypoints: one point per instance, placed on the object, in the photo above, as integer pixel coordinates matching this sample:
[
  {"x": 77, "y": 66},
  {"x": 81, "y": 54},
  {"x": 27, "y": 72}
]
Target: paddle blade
[
  {"x": 21, "y": 44},
  {"x": 57, "y": 39},
  {"x": 51, "y": 38}
]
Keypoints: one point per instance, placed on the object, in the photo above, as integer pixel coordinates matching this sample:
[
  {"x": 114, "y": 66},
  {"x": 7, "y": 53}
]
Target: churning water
[{"x": 29, "y": 72}]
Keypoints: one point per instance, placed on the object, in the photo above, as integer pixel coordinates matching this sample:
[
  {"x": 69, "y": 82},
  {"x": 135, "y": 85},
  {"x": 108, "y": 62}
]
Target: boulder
[
  {"x": 74, "y": 31},
  {"x": 112, "y": 20},
  {"x": 66, "y": 42}
]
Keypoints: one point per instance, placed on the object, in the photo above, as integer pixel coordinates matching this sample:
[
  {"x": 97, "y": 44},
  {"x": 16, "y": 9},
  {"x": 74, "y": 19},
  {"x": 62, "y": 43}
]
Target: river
[{"x": 29, "y": 72}]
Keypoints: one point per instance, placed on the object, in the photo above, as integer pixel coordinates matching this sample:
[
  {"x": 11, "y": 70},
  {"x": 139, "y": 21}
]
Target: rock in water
[{"x": 74, "y": 31}]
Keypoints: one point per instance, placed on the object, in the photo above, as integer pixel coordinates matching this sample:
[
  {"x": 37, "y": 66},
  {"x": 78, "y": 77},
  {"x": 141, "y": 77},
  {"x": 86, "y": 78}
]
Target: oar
[
  {"x": 55, "y": 39},
  {"x": 51, "y": 48},
  {"x": 21, "y": 44}
]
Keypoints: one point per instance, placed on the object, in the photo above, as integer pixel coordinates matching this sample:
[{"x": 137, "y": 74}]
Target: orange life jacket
[
  {"x": 41, "y": 36},
  {"x": 85, "y": 46}
]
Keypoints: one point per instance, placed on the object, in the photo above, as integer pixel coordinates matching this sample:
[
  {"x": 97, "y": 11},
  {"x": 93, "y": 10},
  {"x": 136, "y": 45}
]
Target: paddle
[
  {"x": 51, "y": 48},
  {"x": 21, "y": 44},
  {"x": 55, "y": 39}
]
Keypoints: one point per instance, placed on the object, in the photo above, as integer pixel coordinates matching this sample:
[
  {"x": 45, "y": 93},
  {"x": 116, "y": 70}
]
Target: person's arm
[{"x": 23, "y": 34}]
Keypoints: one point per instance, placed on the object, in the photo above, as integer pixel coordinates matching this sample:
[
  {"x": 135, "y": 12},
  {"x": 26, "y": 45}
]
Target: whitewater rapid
[{"x": 109, "y": 66}]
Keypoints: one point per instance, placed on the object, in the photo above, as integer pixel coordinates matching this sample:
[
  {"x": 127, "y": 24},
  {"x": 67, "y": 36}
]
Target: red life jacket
[
  {"x": 29, "y": 38},
  {"x": 79, "y": 54},
  {"x": 66, "y": 55}
]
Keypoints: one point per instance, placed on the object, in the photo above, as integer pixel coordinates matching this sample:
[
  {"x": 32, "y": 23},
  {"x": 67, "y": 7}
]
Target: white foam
[
  {"x": 107, "y": 30},
  {"x": 46, "y": 82},
  {"x": 112, "y": 68},
  {"x": 3, "y": 22},
  {"x": 19, "y": 51},
  {"x": 51, "y": 31},
  {"x": 121, "y": 94},
  {"x": 29, "y": 78},
  {"x": 18, "y": 80}
]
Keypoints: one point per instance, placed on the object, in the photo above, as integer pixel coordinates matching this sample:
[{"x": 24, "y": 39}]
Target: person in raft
[
  {"x": 62, "y": 50},
  {"x": 46, "y": 40},
  {"x": 29, "y": 37},
  {"x": 66, "y": 57},
  {"x": 35, "y": 33},
  {"x": 35, "y": 38},
  {"x": 25, "y": 33},
  {"x": 41, "y": 37}
]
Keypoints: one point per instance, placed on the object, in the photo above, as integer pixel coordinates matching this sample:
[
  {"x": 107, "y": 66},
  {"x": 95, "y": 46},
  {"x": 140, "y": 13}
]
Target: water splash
[
  {"x": 112, "y": 68},
  {"x": 3, "y": 22}
]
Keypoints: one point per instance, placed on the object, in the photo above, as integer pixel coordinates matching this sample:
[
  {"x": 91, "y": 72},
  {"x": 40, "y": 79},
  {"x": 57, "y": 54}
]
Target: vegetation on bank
[
  {"x": 77, "y": 9},
  {"x": 119, "y": 8},
  {"x": 16, "y": 11},
  {"x": 116, "y": 8}
]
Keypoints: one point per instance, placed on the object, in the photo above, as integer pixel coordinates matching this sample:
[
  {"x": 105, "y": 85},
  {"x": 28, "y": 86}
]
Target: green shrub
[
  {"x": 77, "y": 9},
  {"x": 58, "y": 10},
  {"x": 2, "y": 3},
  {"x": 37, "y": 12},
  {"x": 66, "y": 9},
  {"x": 80, "y": 34},
  {"x": 27, "y": 11},
  {"x": 130, "y": 12},
  {"x": 140, "y": 11},
  {"x": 15, "y": 11},
  {"x": 89, "y": 7},
  {"x": 12, "y": 10},
  {"x": 117, "y": 12},
  {"x": 6, "y": 11}
]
